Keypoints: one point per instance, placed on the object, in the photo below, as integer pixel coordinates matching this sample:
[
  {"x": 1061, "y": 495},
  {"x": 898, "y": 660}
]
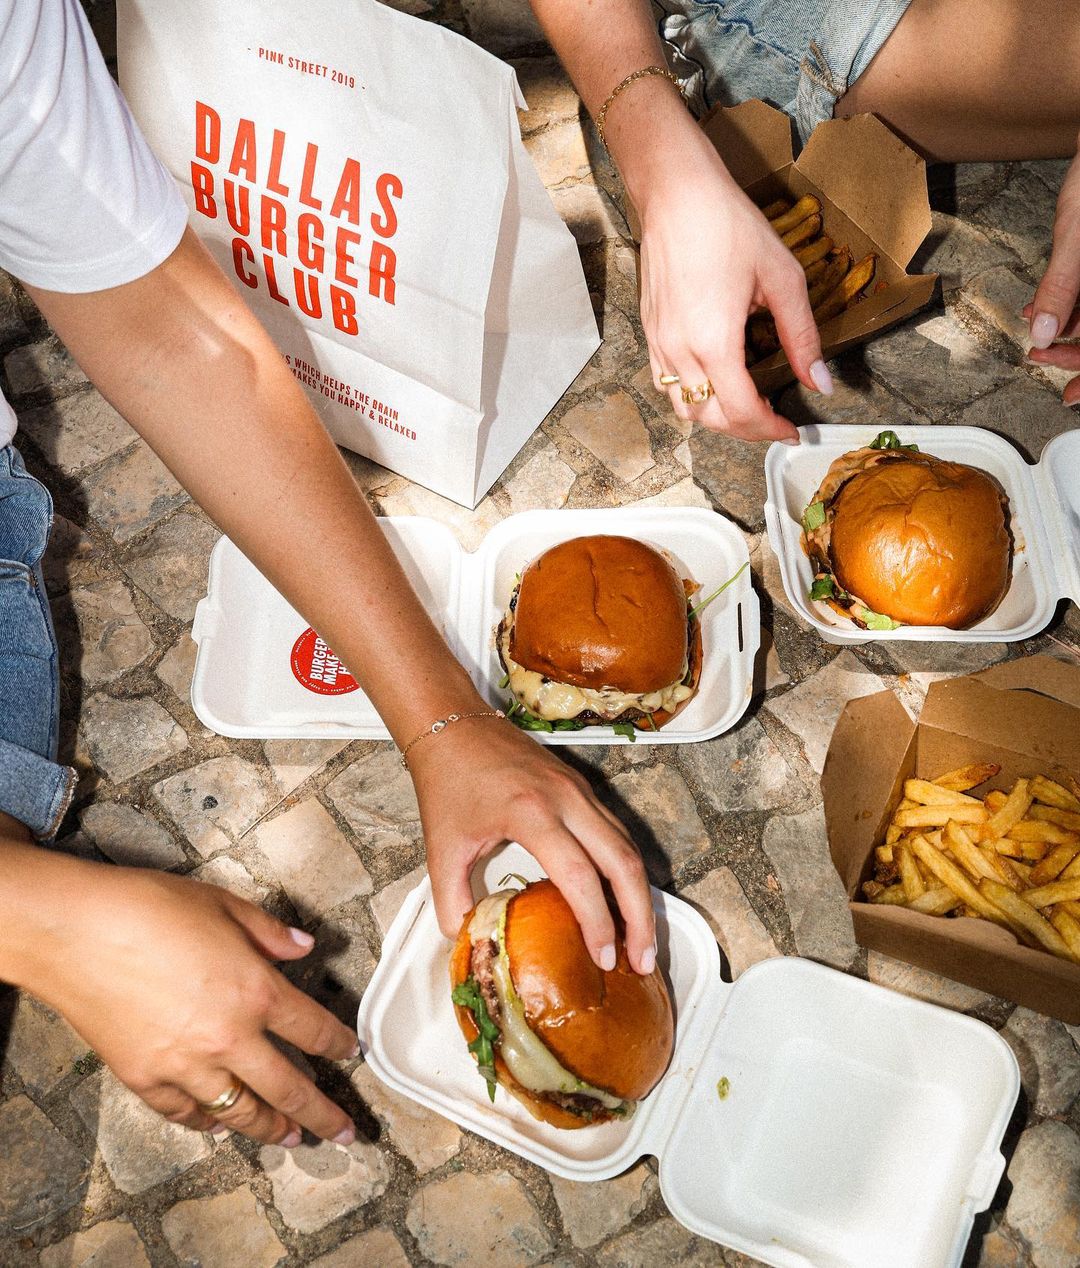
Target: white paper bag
[{"x": 360, "y": 175}]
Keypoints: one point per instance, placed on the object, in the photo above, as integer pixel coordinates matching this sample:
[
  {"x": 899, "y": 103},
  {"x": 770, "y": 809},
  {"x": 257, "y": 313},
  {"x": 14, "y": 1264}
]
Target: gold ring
[
  {"x": 225, "y": 1101},
  {"x": 666, "y": 380},
  {"x": 696, "y": 395}
]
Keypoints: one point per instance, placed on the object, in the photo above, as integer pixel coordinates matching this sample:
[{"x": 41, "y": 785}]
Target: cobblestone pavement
[{"x": 89, "y": 1175}]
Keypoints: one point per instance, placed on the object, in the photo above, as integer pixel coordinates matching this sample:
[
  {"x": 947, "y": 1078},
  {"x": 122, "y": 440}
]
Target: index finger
[{"x": 561, "y": 855}]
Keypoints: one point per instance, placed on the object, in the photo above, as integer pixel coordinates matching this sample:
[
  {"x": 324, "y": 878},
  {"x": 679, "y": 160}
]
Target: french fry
[
  {"x": 776, "y": 209},
  {"x": 1022, "y": 913},
  {"x": 995, "y": 799},
  {"x": 1012, "y": 811},
  {"x": 814, "y": 251},
  {"x": 835, "y": 270},
  {"x": 1051, "y": 793},
  {"x": 964, "y": 851},
  {"x": 891, "y": 895},
  {"x": 1019, "y": 849},
  {"x": 939, "y": 816},
  {"x": 1063, "y": 818},
  {"x": 910, "y": 877},
  {"x": 1010, "y": 874},
  {"x": 951, "y": 876},
  {"x": 884, "y": 854},
  {"x": 815, "y": 270},
  {"x": 1051, "y": 866},
  {"x": 1073, "y": 909},
  {"x": 1069, "y": 928},
  {"x": 1073, "y": 869},
  {"x": 860, "y": 276},
  {"x": 936, "y": 902},
  {"x": 806, "y": 207},
  {"x": 926, "y": 793},
  {"x": 1055, "y": 892},
  {"x": 965, "y": 777},
  {"x": 803, "y": 232},
  {"x": 1039, "y": 830}
]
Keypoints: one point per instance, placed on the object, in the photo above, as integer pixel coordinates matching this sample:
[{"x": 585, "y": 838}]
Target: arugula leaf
[
  {"x": 875, "y": 621},
  {"x": 467, "y": 995},
  {"x": 504, "y": 681},
  {"x": 513, "y": 876},
  {"x": 705, "y": 602},
  {"x": 567, "y": 724},
  {"x": 813, "y": 516},
  {"x": 890, "y": 440},
  {"x": 625, "y": 729},
  {"x": 528, "y": 721},
  {"x": 823, "y": 588}
]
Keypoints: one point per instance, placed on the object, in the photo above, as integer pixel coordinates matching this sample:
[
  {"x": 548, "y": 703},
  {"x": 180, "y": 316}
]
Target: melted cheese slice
[{"x": 527, "y": 1057}]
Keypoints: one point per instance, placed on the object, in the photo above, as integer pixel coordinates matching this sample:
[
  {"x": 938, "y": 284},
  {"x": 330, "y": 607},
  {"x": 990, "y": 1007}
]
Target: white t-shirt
[{"x": 84, "y": 204}]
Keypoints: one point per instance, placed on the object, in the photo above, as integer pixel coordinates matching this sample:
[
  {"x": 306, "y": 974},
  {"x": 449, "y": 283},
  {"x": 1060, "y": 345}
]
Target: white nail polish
[
  {"x": 790, "y": 440},
  {"x": 1044, "y": 330},
  {"x": 648, "y": 960},
  {"x": 607, "y": 957},
  {"x": 302, "y": 938},
  {"x": 822, "y": 379}
]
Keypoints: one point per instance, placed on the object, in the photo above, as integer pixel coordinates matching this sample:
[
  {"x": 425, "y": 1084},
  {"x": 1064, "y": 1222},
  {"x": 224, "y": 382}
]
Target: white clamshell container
[
  {"x": 244, "y": 684},
  {"x": 859, "y": 1126},
  {"x": 1045, "y": 523}
]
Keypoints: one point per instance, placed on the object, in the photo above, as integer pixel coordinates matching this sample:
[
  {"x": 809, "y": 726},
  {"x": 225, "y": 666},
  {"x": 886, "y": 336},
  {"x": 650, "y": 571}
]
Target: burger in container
[
  {"x": 584, "y": 626},
  {"x": 799, "y": 1115},
  {"x": 928, "y": 533}
]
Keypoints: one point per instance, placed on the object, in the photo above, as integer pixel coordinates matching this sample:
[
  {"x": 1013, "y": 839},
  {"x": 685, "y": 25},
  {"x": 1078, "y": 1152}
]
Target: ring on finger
[
  {"x": 225, "y": 1101},
  {"x": 697, "y": 395},
  {"x": 666, "y": 380}
]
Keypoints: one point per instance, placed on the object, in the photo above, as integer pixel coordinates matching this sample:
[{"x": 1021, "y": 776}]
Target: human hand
[
  {"x": 1053, "y": 312},
  {"x": 709, "y": 258},
  {"x": 170, "y": 982},
  {"x": 484, "y": 783}
]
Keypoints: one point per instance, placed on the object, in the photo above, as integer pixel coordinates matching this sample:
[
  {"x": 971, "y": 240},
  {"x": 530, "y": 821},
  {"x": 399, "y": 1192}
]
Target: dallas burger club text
[{"x": 334, "y": 259}]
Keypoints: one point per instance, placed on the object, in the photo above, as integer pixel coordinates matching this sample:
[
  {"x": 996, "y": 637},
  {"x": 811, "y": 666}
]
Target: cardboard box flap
[
  {"x": 752, "y": 138},
  {"x": 1057, "y": 679},
  {"x": 874, "y": 178},
  {"x": 872, "y": 737}
]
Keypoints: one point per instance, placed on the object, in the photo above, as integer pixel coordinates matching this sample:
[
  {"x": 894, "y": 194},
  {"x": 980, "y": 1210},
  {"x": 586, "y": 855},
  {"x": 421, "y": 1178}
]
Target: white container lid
[
  {"x": 794, "y": 473},
  {"x": 859, "y": 1127},
  {"x": 261, "y": 673}
]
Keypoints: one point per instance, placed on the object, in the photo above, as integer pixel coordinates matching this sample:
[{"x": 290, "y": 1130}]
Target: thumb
[
  {"x": 1056, "y": 297},
  {"x": 271, "y": 937},
  {"x": 785, "y": 294}
]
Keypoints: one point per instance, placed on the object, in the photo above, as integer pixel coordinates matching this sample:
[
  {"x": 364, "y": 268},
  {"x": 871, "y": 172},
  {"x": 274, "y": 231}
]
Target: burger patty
[{"x": 484, "y": 955}]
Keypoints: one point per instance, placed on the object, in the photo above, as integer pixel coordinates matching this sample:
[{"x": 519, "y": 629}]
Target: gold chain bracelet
[
  {"x": 440, "y": 724},
  {"x": 601, "y": 114}
]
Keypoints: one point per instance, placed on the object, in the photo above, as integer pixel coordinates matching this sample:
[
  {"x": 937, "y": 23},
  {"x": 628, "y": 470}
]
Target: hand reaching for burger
[
  {"x": 519, "y": 792},
  {"x": 1054, "y": 313}
]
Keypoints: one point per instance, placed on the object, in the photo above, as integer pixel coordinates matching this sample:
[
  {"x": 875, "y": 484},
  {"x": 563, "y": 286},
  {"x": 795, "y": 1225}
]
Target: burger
[
  {"x": 574, "y": 1044},
  {"x": 898, "y": 537},
  {"x": 599, "y": 631}
]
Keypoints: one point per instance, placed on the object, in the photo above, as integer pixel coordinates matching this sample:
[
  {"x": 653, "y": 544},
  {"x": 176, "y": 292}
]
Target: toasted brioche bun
[
  {"x": 602, "y": 612},
  {"x": 613, "y": 1030},
  {"x": 922, "y": 540}
]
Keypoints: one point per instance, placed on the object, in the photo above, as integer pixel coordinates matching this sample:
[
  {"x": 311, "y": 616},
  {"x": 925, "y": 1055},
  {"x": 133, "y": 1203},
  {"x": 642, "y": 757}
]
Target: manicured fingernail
[
  {"x": 607, "y": 957},
  {"x": 346, "y": 1136},
  {"x": 292, "y": 1139},
  {"x": 821, "y": 378},
  {"x": 790, "y": 440},
  {"x": 302, "y": 938},
  {"x": 219, "y": 1129},
  {"x": 355, "y": 1050},
  {"x": 648, "y": 960},
  {"x": 1044, "y": 330}
]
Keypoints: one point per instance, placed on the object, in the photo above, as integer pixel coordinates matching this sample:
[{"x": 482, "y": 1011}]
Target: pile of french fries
[
  {"x": 1013, "y": 858},
  {"x": 833, "y": 281}
]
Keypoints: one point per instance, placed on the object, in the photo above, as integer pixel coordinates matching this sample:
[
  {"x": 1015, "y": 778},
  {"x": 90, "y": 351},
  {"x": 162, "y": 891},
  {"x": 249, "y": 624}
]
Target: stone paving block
[
  {"x": 310, "y": 856},
  {"x": 107, "y": 636},
  {"x": 731, "y": 473},
  {"x": 41, "y": 1173},
  {"x": 1044, "y": 1206},
  {"x": 293, "y": 761},
  {"x": 232, "y": 875},
  {"x": 948, "y": 659},
  {"x": 378, "y": 1247},
  {"x": 591, "y": 1212},
  {"x": 999, "y": 1250},
  {"x": 375, "y": 792},
  {"x": 686, "y": 493},
  {"x": 957, "y": 250},
  {"x": 76, "y": 431},
  {"x": 611, "y": 428},
  {"x": 503, "y": 1228},
  {"x": 215, "y": 802},
  {"x": 425, "y": 1138},
  {"x": 588, "y": 213},
  {"x": 922, "y": 984},
  {"x": 132, "y": 492},
  {"x": 663, "y": 1242},
  {"x": 856, "y": 398},
  {"x": 742, "y": 770},
  {"x": 139, "y": 1147},
  {"x": 109, "y": 1244},
  {"x": 811, "y": 709},
  {"x": 314, "y": 1184},
  {"x": 177, "y": 667},
  {"x": 735, "y": 924},
  {"x": 619, "y": 349},
  {"x": 1030, "y": 415},
  {"x": 386, "y": 904},
  {"x": 544, "y": 480},
  {"x": 469, "y": 527},
  {"x": 338, "y": 970},
  {"x": 231, "y": 1228},
  {"x": 71, "y": 559},
  {"x": 550, "y": 94},
  {"x": 126, "y": 737},
  {"x": 659, "y": 798},
  {"x": 502, "y": 25},
  {"x": 1021, "y": 216},
  {"x": 813, "y": 894},
  {"x": 130, "y": 837},
  {"x": 1049, "y": 1061},
  {"x": 40, "y": 366},
  {"x": 12, "y": 325},
  {"x": 172, "y": 564},
  {"x": 999, "y": 295},
  {"x": 40, "y": 1045},
  {"x": 558, "y": 153}
]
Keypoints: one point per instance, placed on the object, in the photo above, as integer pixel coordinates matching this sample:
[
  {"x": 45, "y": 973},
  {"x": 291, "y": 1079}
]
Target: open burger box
[
  {"x": 1022, "y": 714},
  {"x": 263, "y": 673},
  {"x": 872, "y": 189},
  {"x": 1044, "y": 519},
  {"x": 799, "y": 1103}
]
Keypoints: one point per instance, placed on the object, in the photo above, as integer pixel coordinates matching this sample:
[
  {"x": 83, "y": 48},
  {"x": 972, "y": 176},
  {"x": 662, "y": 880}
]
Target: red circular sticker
[{"x": 317, "y": 668}]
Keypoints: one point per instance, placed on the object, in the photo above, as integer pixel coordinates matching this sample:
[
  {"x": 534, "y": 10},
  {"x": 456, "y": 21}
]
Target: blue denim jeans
[
  {"x": 800, "y": 55},
  {"x": 34, "y": 788}
]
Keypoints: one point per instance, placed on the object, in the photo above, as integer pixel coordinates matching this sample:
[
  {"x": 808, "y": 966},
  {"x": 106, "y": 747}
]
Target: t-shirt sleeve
[{"x": 84, "y": 202}]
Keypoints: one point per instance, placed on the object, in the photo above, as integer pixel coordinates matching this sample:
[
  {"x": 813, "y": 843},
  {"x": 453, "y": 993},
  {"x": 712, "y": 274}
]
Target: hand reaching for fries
[{"x": 1011, "y": 858}]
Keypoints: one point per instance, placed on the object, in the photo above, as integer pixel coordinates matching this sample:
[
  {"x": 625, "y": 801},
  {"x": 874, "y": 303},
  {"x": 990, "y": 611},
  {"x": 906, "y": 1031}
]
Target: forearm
[{"x": 185, "y": 362}]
